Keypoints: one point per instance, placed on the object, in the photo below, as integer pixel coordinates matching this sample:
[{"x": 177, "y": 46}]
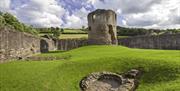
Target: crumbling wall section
[
  {"x": 68, "y": 44},
  {"x": 16, "y": 45},
  {"x": 171, "y": 41}
]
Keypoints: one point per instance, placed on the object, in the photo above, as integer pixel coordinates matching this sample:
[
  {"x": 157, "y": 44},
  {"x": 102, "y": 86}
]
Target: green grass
[
  {"x": 122, "y": 36},
  {"x": 162, "y": 69},
  {"x": 73, "y": 36},
  {"x": 76, "y": 31}
]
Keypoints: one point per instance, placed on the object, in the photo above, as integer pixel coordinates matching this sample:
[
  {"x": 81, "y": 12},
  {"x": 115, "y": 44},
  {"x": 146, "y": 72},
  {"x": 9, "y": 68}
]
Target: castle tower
[{"x": 102, "y": 27}]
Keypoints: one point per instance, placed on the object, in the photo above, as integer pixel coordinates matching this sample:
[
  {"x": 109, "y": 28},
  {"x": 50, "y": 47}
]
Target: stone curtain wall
[
  {"x": 14, "y": 44},
  {"x": 68, "y": 44},
  {"x": 152, "y": 42},
  {"x": 144, "y": 42}
]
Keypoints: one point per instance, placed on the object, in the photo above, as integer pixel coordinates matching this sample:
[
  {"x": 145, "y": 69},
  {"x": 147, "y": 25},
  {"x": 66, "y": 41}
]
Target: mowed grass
[
  {"x": 73, "y": 36},
  {"x": 161, "y": 69},
  {"x": 74, "y": 31}
]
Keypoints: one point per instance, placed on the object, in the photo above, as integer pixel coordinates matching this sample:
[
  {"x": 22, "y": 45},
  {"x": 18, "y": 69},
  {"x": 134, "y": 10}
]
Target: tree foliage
[
  {"x": 56, "y": 32},
  {"x": 6, "y": 19},
  {"x": 52, "y": 31},
  {"x": 2, "y": 21},
  {"x": 122, "y": 31}
]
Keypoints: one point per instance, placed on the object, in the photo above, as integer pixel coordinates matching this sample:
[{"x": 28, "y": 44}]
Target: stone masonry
[
  {"x": 169, "y": 41},
  {"x": 102, "y": 27},
  {"x": 108, "y": 81},
  {"x": 16, "y": 45}
]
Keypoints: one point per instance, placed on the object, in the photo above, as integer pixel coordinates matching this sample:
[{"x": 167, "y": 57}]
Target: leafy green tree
[
  {"x": 1, "y": 13},
  {"x": 62, "y": 30},
  {"x": 2, "y": 21},
  {"x": 10, "y": 18},
  {"x": 12, "y": 21},
  {"x": 56, "y": 32}
]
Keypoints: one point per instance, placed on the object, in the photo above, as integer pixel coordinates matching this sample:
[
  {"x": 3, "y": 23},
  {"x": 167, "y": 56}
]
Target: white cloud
[
  {"x": 5, "y": 5},
  {"x": 77, "y": 19},
  {"x": 124, "y": 22},
  {"x": 92, "y": 1},
  {"x": 125, "y": 6},
  {"x": 72, "y": 21},
  {"x": 132, "y": 13},
  {"x": 144, "y": 13},
  {"x": 41, "y": 13}
]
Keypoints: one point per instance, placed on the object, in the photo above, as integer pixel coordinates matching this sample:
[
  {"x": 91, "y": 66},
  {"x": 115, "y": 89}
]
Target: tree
[
  {"x": 83, "y": 28},
  {"x": 10, "y": 18},
  {"x": 55, "y": 31},
  {"x": 1, "y": 13},
  {"x": 122, "y": 31},
  {"x": 2, "y": 21},
  {"x": 57, "y": 28},
  {"x": 62, "y": 30},
  {"x": 11, "y": 21}
]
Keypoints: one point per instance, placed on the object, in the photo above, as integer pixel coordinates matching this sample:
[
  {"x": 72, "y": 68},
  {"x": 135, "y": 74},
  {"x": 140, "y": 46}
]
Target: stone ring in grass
[{"x": 108, "y": 81}]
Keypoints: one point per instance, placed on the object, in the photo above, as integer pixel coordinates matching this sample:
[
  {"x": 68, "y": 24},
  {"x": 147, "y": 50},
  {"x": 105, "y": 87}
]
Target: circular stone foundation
[
  {"x": 105, "y": 81},
  {"x": 108, "y": 81}
]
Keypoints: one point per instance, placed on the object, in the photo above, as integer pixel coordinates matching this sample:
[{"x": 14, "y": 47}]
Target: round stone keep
[{"x": 102, "y": 27}]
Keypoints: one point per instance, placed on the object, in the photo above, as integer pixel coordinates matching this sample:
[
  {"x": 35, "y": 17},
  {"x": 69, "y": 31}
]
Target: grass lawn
[
  {"x": 72, "y": 36},
  {"x": 162, "y": 69},
  {"x": 73, "y": 31},
  {"x": 122, "y": 36}
]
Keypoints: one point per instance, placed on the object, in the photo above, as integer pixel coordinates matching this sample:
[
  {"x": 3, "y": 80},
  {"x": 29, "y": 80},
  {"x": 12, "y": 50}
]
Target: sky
[{"x": 159, "y": 14}]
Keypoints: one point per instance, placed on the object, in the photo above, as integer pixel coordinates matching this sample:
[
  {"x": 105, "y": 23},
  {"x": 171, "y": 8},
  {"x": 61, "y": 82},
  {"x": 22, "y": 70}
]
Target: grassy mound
[{"x": 162, "y": 69}]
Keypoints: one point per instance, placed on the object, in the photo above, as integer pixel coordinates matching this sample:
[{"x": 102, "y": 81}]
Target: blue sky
[{"x": 73, "y": 13}]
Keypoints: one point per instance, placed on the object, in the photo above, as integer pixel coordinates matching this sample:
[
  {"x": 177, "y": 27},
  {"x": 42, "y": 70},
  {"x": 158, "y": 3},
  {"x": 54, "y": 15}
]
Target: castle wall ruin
[
  {"x": 69, "y": 44},
  {"x": 170, "y": 41},
  {"x": 16, "y": 45}
]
